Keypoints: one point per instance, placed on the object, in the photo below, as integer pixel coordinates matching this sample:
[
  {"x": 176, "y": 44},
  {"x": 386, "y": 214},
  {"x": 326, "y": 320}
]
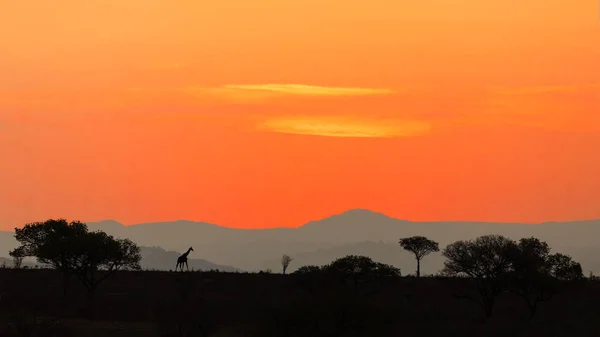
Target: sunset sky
[{"x": 271, "y": 113}]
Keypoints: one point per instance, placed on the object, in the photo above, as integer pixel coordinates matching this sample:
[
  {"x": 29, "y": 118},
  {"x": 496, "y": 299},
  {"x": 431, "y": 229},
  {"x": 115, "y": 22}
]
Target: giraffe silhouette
[{"x": 183, "y": 260}]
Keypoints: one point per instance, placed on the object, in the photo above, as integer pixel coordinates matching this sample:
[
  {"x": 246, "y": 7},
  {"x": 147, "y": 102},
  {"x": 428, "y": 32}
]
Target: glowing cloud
[
  {"x": 310, "y": 90},
  {"x": 253, "y": 92},
  {"x": 345, "y": 127}
]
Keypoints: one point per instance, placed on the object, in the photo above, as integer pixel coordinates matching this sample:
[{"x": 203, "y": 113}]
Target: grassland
[{"x": 150, "y": 303}]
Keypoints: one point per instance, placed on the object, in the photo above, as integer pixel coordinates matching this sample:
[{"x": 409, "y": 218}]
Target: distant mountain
[{"x": 324, "y": 239}]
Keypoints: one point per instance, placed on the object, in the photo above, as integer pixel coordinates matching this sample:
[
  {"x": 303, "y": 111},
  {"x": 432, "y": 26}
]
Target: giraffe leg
[{"x": 186, "y": 265}]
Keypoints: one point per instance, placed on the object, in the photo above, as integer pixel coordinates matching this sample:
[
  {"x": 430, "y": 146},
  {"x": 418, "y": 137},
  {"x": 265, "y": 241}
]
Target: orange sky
[{"x": 264, "y": 113}]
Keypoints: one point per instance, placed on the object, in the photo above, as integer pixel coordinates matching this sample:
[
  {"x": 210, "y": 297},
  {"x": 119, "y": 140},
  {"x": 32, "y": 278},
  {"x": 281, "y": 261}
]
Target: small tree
[
  {"x": 18, "y": 254},
  {"x": 285, "y": 262},
  {"x": 420, "y": 246},
  {"x": 486, "y": 260}
]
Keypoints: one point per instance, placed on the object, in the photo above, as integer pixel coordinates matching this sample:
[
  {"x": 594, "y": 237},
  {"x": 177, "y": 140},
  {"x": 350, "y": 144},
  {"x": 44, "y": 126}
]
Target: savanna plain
[{"x": 307, "y": 302}]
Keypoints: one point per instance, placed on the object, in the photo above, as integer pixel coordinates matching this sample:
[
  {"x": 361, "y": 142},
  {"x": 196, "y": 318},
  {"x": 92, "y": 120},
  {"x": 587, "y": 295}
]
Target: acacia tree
[
  {"x": 285, "y": 262},
  {"x": 486, "y": 260},
  {"x": 420, "y": 246}
]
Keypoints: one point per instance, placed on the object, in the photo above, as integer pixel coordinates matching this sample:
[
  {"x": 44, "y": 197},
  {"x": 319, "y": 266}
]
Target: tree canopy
[
  {"x": 563, "y": 268},
  {"x": 486, "y": 257},
  {"x": 71, "y": 248},
  {"x": 355, "y": 265},
  {"x": 51, "y": 242},
  {"x": 352, "y": 266},
  {"x": 420, "y": 246},
  {"x": 496, "y": 263}
]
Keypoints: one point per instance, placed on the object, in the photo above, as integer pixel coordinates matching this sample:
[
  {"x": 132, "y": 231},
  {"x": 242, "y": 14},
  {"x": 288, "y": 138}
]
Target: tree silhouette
[
  {"x": 529, "y": 278},
  {"x": 70, "y": 248},
  {"x": 100, "y": 255},
  {"x": 420, "y": 246},
  {"x": 563, "y": 268},
  {"x": 18, "y": 254},
  {"x": 308, "y": 270},
  {"x": 536, "y": 274},
  {"x": 48, "y": 242},
  {"x": 285, "y": 262},
  {"x": 486, "y": 260},
  {"x": 360, "y": 266}
]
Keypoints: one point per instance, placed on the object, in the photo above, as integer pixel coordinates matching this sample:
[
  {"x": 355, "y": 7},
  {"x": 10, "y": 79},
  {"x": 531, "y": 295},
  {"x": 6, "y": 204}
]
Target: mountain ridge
[
  {"x": 256, "y": 249},
  {"x": 354, "y": 211}
]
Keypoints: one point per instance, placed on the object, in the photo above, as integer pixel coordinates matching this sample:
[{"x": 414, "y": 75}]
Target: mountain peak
[
  {"x": 358, "y": 211},
  {"x": 107, "y": 223},
  {"x": 361, "y": 213},
  {"x": 356, "y": 217}
]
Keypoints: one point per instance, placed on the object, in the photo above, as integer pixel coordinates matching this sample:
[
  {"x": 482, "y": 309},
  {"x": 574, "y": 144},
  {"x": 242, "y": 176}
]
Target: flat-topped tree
[{"x": 420, "y": 246}]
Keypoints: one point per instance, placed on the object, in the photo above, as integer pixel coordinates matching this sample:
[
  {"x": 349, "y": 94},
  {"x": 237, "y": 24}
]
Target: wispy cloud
[
  {"x": 310, "y": 90},
  {"x": 260, "y": 92},
  {"x": 345, "y": 127}
]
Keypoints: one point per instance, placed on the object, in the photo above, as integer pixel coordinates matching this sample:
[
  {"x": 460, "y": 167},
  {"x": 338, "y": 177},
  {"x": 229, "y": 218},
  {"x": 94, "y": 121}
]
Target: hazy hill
[
  {"x": 158, "y": 258},
  {"x": 323, "y": 240}
]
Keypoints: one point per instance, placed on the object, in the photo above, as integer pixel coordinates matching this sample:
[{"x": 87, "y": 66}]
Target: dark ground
[{"x": 220, "y": 304}]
